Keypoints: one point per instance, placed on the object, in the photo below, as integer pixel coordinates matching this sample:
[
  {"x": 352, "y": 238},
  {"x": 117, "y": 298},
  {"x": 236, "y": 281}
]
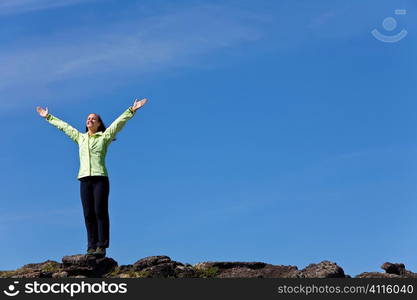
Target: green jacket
[{"x": 92, "y": 148}]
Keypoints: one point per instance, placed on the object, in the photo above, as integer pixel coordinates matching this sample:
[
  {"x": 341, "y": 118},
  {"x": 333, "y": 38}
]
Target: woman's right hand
[{"x": 42, "y": 112}]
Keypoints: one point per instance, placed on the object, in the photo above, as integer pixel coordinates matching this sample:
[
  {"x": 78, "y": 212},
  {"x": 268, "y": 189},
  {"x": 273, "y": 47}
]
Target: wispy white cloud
[
  {"x": 30, "y": 216},
  {"x": 135, "y": 47},
  {"x": 323, "y": 19},
  {"x": 21, "y": 6}
]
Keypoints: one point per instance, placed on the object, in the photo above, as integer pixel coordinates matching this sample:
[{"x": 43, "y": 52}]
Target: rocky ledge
[{"x": 88, "y": 266}]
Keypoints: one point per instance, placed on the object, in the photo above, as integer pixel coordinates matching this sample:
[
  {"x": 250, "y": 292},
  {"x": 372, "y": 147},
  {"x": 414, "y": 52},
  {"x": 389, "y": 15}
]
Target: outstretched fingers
[
  {"x": 139, "y": 103},
  {"x": 42, "y": 112}
]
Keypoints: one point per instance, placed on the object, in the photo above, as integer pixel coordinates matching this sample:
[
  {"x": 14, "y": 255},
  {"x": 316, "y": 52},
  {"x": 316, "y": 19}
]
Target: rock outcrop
[
  {"x": 392, "y": 270},
  {"x": 89, "y": 266}
]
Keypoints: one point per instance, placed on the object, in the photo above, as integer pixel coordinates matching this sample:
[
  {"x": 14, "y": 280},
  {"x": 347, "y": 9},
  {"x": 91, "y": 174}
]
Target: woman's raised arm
[
  {"x": 119, "y": 123},
  {"x": 61, "y": 125}
]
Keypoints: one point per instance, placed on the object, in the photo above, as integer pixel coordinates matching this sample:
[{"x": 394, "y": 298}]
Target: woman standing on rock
[{"x": 94, "y": 181}]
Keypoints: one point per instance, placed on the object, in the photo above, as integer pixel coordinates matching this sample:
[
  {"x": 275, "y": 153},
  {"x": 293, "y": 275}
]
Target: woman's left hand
[{"x": 138, "y": 104}]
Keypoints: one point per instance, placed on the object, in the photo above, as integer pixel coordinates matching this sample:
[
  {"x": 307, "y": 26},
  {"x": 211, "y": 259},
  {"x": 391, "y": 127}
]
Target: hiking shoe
[
  {"x": 100, "y": 252},
  {"x": 91, "y": 251}
]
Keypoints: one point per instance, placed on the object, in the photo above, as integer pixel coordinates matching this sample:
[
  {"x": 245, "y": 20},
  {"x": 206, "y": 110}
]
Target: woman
[{"x": 94, "y": 182}]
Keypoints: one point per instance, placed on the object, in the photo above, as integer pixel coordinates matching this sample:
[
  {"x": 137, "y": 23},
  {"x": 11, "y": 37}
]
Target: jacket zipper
[{"x": 89, "y": 155}]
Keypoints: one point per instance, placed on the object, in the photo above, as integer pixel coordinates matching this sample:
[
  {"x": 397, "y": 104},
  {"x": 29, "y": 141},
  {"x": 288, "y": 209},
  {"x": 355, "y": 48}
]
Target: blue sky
[{"x": 276, "y": 131}]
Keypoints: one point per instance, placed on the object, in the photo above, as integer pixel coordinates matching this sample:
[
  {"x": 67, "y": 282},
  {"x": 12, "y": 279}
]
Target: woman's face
[{"x": 92, "y": 122}]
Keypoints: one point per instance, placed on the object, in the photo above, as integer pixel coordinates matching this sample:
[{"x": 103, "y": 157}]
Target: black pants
[{"x": 95, "y": 197}]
